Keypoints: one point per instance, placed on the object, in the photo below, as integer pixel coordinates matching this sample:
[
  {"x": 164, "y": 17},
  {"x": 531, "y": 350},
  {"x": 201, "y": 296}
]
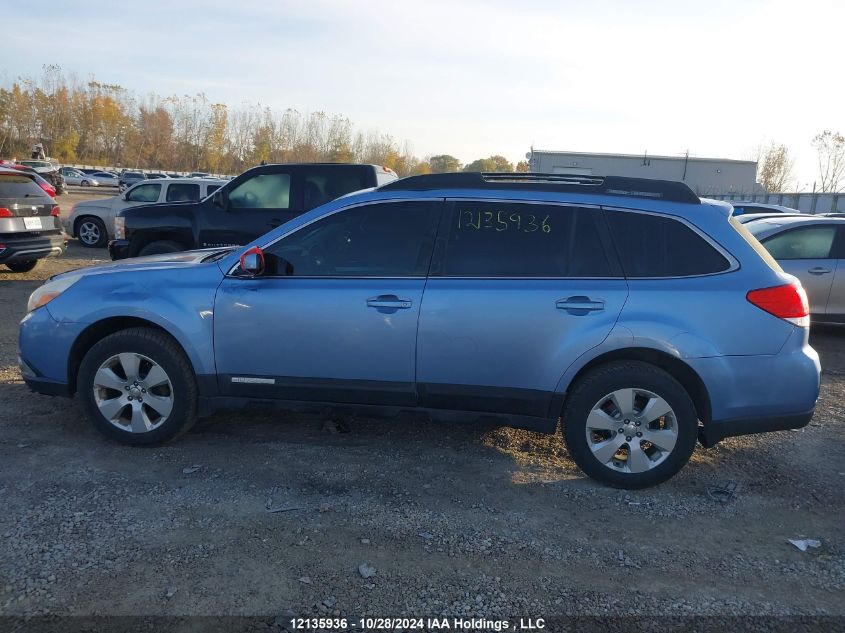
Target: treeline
[{"x": 95, "y": 123}]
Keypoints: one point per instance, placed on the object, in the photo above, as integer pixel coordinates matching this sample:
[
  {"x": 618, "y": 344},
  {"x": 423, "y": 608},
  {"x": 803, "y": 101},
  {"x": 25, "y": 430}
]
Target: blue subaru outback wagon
[{"x": 638, "y": 315}]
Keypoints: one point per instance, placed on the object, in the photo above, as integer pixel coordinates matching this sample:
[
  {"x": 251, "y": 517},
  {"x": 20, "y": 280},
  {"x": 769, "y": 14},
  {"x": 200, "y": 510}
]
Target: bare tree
[
  {"x": 775, "y": 168},
  {"x": 831, "y": 150}
]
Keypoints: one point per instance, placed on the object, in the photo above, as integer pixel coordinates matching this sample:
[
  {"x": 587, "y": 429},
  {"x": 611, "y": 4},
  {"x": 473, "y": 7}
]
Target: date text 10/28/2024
[{"x": 429, "y": 624}]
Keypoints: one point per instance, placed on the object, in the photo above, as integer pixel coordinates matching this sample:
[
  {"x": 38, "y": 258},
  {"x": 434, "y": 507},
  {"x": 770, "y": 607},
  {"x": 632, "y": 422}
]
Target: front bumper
[
  {"x": 39, "y": 384},
  {"x": 119, "y": 249},
  {"x": 27, "y": 248}
]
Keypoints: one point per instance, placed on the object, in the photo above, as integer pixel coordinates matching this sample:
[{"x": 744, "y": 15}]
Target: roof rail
[{"x": 576, "y": 183}]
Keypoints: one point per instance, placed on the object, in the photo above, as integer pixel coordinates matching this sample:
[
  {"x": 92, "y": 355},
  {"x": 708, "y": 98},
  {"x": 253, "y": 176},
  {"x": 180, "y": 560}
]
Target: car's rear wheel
[
  {"x": 138, "y": 387},
  {"x": 630, "y": 425},
  {"x": 91, "y": 232},
  {"x": 22, "y": 266},
  {"x": 161, "y": 247}
]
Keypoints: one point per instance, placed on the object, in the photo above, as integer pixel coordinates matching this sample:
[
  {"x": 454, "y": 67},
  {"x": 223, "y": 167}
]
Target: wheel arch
[
  {"x": 97, "y": 331},
  {"x": 139, "y": 242},
  {"x": 677, "y": 368}
]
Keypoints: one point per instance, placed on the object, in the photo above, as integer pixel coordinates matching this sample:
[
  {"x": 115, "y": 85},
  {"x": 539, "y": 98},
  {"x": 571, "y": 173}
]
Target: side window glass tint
[
  {"x": 183, "y": 192},
  {"x": 809, "y": 243},
  {"x": 144, "y": 193},
  {"x": 379, "y": 240},
  {"x": 265, "y": 191},
  {"x": 324, "y": 184},
  {"x": 496, "y": 239},
  {"x": 658, "y": 246}
]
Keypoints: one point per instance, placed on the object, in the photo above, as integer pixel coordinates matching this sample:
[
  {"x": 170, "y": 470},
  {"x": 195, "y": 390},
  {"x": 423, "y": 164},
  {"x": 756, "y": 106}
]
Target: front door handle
[
  {"x": 580, "y": 304},
  {"x": 389, "y": 301},
  {"x": 818, "y": 270},
  {"x": 274, "y": 223}
]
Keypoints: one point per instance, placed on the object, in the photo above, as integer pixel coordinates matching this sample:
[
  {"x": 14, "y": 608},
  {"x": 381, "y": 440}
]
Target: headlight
[
  {"x": 119, "y": 228},
  {"x": 49, "y": 291}
]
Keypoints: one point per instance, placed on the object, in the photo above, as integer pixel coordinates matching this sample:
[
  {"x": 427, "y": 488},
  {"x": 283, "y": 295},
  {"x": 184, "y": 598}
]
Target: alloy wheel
[
  {"x": 133, "y": 392},
  {"x": 89, "y": 233},
  {"x": 631, "y": 430}
]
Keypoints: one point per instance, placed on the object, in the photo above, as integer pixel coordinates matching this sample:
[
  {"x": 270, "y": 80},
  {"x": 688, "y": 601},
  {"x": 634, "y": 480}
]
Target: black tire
[
  {"x": 22, "y": 266},
  {"x": 161, "y": 247},
  {"x": 161, "y": 348},
  {"x": 89, "y": 224},
  {"x": 84, "y": 183},
  {"x": 602, "y": 381}
]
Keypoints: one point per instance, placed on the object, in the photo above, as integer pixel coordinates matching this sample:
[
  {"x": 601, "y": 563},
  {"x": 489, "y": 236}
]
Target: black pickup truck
[{"x": 255, "y": 202}]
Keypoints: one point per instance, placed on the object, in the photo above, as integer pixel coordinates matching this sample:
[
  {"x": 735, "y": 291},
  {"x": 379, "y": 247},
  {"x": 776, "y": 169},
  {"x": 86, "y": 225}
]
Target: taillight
[
  {"x": 788, "y": 302},
  {"x": 5, "y": 213},
  {"x": 56, "y": 211}
]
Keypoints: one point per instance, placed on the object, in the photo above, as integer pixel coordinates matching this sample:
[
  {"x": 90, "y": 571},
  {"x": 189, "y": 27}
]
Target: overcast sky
[{"x": 476, "y": 78}]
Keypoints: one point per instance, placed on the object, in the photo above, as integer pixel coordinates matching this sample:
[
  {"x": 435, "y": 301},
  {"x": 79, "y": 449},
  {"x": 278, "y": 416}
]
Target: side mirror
[
  {"x": 220, "y": 199},
  {"x": 252, "y": 262}
]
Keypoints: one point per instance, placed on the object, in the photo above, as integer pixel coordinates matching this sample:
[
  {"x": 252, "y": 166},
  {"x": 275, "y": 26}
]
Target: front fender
[{"x": 182, "y": 305}]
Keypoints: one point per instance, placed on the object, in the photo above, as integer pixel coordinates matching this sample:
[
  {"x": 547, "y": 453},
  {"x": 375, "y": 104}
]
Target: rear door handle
[
  {"x": 818, "y": 270},
  {"x": 580, "y": 304},
  {"x": 388, "y": 301}
]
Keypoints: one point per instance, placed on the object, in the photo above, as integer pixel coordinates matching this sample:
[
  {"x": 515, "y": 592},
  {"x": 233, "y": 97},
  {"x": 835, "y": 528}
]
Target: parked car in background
[
  {"x": 106, "y": 178},
  {"x": 154, "y": 175},
  {"x": 29, "y": 221},
  {"x": 129, "y": 178},
  {"x": 813, "y": 249},
  {"x": 638, "y": 315},
  {"x": 253, "y": 203},
  {"x": 92, "y": 221},
  {"x": 81, "y": 179},
  {"x": 48, "y": 171},
  {"x": 741, "y": 208},
  {"x": 45, "y": 185},
  {"x": 753, "y": 217}
]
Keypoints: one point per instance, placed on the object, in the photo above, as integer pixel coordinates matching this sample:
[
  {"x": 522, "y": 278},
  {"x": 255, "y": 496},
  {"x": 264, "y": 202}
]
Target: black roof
[{"x": 608, "y": 185}]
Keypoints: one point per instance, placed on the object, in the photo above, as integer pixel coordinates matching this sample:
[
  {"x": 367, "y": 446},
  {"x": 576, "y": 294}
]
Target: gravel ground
[{"x": 458, "y": 520}]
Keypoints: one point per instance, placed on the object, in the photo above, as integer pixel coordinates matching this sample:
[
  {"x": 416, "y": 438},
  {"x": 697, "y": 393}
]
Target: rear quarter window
[{"x": 658, "y": 246}]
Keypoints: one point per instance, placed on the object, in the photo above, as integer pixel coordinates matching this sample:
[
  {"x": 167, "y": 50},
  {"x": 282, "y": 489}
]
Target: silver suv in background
[{"x": 92, "y": 221}]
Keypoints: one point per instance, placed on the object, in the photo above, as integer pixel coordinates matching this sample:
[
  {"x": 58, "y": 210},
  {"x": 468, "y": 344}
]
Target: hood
[
  {"x": 95, "y": 203},
  {"x": 168, "y": 261}
]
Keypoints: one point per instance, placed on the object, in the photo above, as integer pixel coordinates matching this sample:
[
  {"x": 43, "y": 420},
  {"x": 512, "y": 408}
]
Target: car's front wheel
[
  {"x": 22, "y": 266},
  {"x": 630, "y": 425},
  {"x": 84, "y": 183},
  {"x": 91, "y": 232},
  {"x": 138, "y": 387}
]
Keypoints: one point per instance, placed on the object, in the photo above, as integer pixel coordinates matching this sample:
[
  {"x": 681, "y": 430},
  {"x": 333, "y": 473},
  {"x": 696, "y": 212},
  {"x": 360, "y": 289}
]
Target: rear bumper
[
  {"x": 717, "y": 430},
  {"x": 119, "y": 249},
  {"x": 28, "y": 248}
]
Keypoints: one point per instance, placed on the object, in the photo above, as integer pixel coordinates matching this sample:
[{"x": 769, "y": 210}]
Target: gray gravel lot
[{"x": 459, "y": 520}]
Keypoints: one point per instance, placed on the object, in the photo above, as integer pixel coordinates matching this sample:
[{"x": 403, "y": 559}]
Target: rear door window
[
  {"x": 183, "y": 192},
  {"x": 812, "y": 242},
  {"x": 657, "y": 246},
  {"x": 324, "y": 184},
  {"x": 511, "y": 239}
]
